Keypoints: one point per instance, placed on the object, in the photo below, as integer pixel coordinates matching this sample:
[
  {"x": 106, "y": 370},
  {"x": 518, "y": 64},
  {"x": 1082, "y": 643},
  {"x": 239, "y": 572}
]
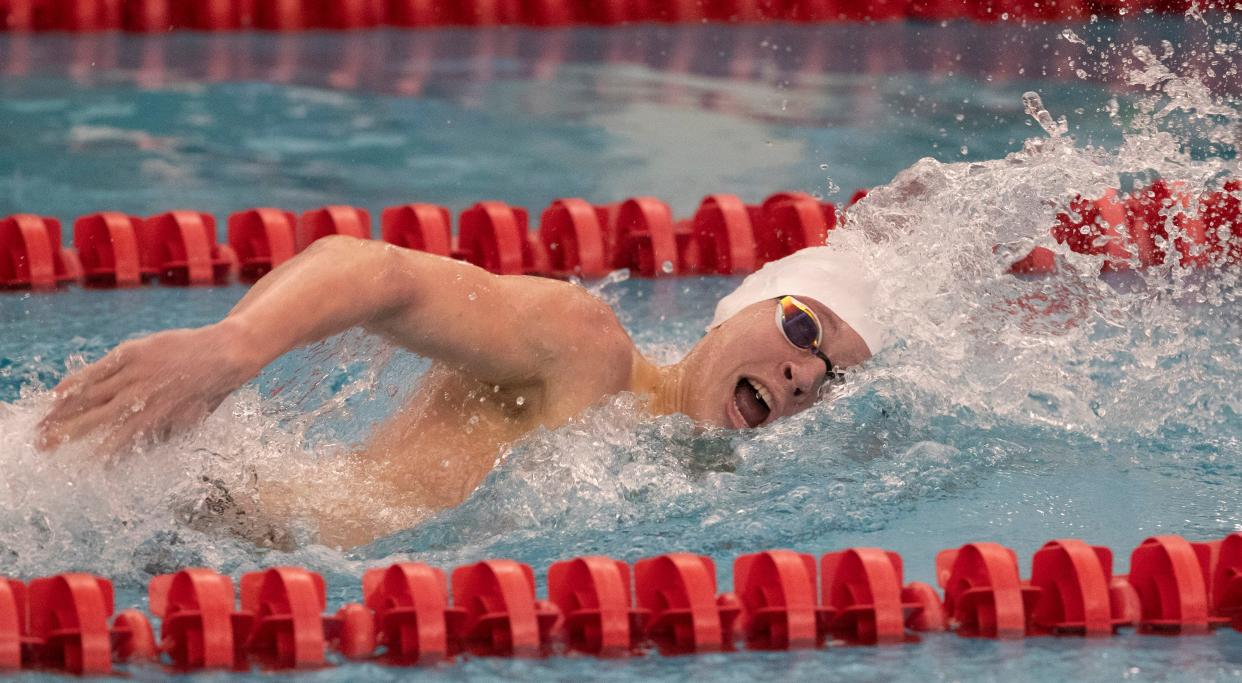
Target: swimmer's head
[{"x": 748, "y": 371}]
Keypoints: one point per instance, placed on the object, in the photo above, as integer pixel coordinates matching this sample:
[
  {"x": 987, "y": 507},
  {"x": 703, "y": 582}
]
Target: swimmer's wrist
[{"x": 243, "y": 351}]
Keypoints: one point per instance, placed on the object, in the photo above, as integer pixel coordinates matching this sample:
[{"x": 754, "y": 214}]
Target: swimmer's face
[{"x": 744, "y": 373}]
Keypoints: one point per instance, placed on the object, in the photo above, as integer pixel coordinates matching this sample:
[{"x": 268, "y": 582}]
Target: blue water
[{"x": 1115, "y": 421}]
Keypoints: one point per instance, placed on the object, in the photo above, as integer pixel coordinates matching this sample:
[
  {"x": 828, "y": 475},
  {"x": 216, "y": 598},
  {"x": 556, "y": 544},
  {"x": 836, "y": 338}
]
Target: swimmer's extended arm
[
  {"x": 506, "y": 330},
  {"x": 510, "y": 331}
]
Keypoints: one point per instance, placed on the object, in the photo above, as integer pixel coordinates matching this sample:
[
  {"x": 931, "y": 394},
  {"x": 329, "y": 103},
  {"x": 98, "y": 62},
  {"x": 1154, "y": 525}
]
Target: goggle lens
[{"x": 799, "y": 326}]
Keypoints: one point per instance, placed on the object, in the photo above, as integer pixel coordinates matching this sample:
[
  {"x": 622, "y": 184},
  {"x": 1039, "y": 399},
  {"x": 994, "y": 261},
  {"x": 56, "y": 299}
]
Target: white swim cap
[{"x": 827, "y": 275}]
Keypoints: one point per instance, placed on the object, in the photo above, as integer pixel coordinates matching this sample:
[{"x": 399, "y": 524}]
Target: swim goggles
[{"x": 802, "y": 329}]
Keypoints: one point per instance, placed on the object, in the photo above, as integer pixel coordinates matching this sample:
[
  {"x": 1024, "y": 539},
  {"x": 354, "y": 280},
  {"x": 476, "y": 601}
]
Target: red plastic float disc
[
  {"x": 1165, "y": 573},
  {"x": 983, "y": 594},
  {"x": 12, "y": 623},
  {"x": 593, "y": 594},
  {"x": 492, "y": 236},
  {"x": 863, "y": 588},
  {"x": 147, "y": 15},
  {"x": 333, "y": 220},
  {"x": 196, "y": 611},
  {"x": 29, "y": 250},
  {"x": 262, "y": 239},
  {"x": 87, "y": 15},
  {"x": 281, "y": 15},
  {"x": 777, "y": 592},
  {"x": 419, "y": 13},
  {"x": 1074, "y": 596},
  {"x": 645, "y": 238},
  {"x": 132, "y": 638},
  {"x": 679, "y": 591},
  {"x": 351, "y": 14},
  {"x": 1226, "y": 580},
  {"x": 501, "y": 615},
  {"x": 69, "y": 615},
  {"x": 423, "y": 227},
  {"x": 107, "y": 245},
  {"x": 1222, "y": 215},
  {"x": 414, "y": 622},
  {"x": 351, "y": 631},
  {"x": 180, "y": 247},
  {"x": 571, "y": 231},
  {"x": 288, "y": 629},
  {"x": 929, "y": 616},
  {"x": 792, "y": 221},
  {"x": 725, "y": 236},
  {"x": 548, "y": 12},
  {"x": 1126, "y": 608}
]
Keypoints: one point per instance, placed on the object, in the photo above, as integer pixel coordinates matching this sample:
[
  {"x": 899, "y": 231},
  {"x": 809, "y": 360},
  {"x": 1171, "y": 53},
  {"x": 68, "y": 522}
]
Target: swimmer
[{"x": 510, "y": 354}]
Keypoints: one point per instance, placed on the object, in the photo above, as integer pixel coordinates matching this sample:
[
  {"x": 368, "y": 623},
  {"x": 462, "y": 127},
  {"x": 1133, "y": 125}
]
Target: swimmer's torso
[{"x": 435, "y": 450}]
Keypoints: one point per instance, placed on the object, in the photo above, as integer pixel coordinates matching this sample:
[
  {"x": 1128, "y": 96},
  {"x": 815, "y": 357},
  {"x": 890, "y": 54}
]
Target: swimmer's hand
[{"x": 148, "y": 389}]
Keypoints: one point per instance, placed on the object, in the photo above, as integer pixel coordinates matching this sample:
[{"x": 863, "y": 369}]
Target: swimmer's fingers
[
  {"x": 89, "y": 397},
  {"x": 154, "y": 425},
  {"x": 98, "y": 371},
  {"x": 84, "y": 390},
  {"x": 77, "y": 426}
]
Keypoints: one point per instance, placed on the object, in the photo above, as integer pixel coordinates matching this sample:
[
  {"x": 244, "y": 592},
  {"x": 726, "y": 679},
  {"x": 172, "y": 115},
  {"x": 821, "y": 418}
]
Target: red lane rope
[
  {"x": 670, "y": 604},
  {"x": 298, "y": 15},
  {"x": 575, "y": 238}
]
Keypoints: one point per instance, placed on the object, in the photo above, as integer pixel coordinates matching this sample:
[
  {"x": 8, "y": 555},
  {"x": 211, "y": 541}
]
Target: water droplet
[
  {"x": 823, "y": 167},
  {"x": 521, "y": 400},
  {"x": 472, "y": 296},
  {"x": 666, "y": 267}
]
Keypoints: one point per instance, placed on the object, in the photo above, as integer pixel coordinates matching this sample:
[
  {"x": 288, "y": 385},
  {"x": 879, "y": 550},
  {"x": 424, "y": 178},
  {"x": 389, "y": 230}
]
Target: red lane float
[
  {"x": 1222, "y": 568},
  {"x": 575, "y": 238},
  {"x": 423, "y": 227},
  {"x": 198, "y": 625},
  {"x": 262, "y": 239},
  {"x": 501, "y": 616},
  {"x": 413, "y": 620},
  {"x": 862, "y": 587},
  {"x": 1171, "y": 587},
  {"x": 333, "y": 220},
  {"x": 593, "y": 594},
  {"x": 179, "y": 247},
  {"x": 679, "y": 592},
  {"x": 107, "y": 245},
  {"x": 572, "y": 232},
  {"x": 776, "y": 590},
  {"x": 493, "y": 236},
  {"x": 792, "y": 221},
  {"x": 983, "y": 595},
  {"x": 31, "y": 256},
  {"x": 1074, "y": 582},
  {"x": 724, "y": 235},
  {"x": 644, "y": 238}
]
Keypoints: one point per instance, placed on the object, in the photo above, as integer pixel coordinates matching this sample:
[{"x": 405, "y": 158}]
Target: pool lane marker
[
  {"x": 725, "y": 236},
  {"x": 667, "y": 605}
]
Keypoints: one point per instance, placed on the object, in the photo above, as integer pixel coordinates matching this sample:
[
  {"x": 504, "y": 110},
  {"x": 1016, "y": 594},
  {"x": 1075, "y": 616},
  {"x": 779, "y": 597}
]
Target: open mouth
[{"x": 753, "y": 402}]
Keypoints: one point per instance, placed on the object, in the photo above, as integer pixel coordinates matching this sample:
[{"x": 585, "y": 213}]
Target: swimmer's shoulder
[{"x": 590, "y": 344}]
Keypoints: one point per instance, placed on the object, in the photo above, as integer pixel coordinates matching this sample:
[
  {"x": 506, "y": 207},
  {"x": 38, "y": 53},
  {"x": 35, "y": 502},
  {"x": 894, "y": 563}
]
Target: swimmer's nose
[{"x": 800, "y": 377}]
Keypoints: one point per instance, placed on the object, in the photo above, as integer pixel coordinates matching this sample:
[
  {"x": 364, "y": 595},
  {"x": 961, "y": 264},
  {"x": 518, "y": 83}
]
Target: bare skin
[{"x": 511, "y": 354}]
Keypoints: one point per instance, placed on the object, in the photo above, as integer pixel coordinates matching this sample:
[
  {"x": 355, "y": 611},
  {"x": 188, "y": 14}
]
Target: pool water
[{"x": 1114, "y": 417}]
